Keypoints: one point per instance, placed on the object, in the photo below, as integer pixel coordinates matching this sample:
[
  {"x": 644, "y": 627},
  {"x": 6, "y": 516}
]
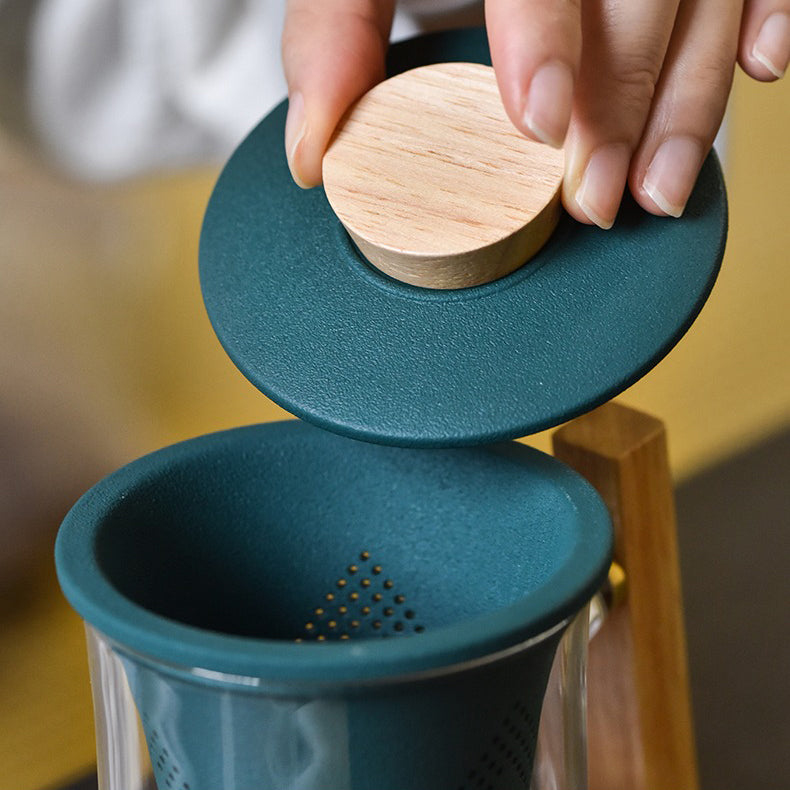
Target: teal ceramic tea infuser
[
  {"x": 291, "y": 608},
  {"x": 326, "y": 613}
]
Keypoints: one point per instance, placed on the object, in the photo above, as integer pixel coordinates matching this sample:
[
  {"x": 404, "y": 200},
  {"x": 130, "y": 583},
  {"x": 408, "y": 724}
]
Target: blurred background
[{"x": 106, "y": 353}]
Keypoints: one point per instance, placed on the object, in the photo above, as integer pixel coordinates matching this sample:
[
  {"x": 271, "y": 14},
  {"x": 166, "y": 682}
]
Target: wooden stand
[{"x": 639, "y": 717}]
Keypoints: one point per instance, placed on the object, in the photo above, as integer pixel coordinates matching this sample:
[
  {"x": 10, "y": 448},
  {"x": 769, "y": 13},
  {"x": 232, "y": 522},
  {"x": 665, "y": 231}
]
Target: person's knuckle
[
  {"x": 706, "y": 98},
  {"x": 714, "y": 72},
  {"x": 636, "y": 77}
]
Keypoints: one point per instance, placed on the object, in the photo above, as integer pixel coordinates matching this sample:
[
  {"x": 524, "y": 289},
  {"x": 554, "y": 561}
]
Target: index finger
[{"x": 535, "y": 50}]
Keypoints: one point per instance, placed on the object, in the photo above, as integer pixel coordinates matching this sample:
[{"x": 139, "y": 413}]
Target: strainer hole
[{"x": 346, "y": 615}]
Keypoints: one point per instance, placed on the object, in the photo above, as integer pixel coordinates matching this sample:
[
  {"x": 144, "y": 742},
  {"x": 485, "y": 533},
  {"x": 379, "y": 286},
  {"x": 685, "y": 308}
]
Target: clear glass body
[
  {"x": 124, "y": 759},
  {"x": 561, "y": 756}
]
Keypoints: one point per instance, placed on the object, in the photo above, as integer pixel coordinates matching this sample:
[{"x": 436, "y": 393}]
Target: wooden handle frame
[{"x": 640, "y": 729}]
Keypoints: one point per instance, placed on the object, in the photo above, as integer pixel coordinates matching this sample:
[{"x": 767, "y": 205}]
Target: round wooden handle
[{"x": 434, "y": 183}]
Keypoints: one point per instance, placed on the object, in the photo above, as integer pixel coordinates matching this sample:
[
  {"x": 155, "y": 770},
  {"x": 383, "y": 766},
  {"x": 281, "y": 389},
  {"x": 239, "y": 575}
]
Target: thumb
[{"x": 333, "y": 52}]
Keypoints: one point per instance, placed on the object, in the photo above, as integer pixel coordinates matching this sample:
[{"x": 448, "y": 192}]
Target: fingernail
[
  {"x": 602, "y": 184},
  {"x": 295, "y": 130},
  {"x": 548, "y": 106},
  {"x": 772, "y": 47},
  {"x": 672, "y": 173}
]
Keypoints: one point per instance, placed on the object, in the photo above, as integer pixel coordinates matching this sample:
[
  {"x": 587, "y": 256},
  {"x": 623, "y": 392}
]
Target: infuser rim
[
  {"x": 126, "y": 622},
  {"x": 327, "y": 685}
]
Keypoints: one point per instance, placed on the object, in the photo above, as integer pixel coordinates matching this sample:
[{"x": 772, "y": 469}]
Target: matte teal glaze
[
  {"x": 211, "y": 556},
  {"x": 337, "y": 343},
  {"x": 437, "y": 734},
  {"x": 214, "y": 552}
]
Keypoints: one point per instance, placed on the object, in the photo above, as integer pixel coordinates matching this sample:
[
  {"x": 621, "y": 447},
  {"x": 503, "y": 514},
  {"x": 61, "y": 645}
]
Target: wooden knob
[{"x": 435, "y": 184}]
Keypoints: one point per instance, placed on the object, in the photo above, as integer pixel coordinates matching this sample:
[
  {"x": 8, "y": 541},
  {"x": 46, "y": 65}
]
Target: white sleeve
[
  {"x": 116, "y": 87},
  {"x": 119, "y": 86}
]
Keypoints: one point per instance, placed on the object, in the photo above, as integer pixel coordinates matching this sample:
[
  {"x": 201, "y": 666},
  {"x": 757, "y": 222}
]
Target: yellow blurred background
[{"x": 106, "y": 353}]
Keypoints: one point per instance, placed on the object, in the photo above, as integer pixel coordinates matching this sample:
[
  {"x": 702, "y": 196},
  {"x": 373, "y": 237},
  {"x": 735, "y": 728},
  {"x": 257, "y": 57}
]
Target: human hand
[{"x": 634, "y": 89}]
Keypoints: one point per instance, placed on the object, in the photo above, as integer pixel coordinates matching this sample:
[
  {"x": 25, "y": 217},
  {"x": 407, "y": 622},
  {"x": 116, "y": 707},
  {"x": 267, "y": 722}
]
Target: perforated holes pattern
[
  {"x": 166, "y": 771},
  {"x": 365, "y": 602},
  {"x": 507, "y": 762}
]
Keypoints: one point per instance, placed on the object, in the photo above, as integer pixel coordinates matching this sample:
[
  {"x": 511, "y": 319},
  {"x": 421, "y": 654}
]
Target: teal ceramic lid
[{"x": 338, "y": 343}]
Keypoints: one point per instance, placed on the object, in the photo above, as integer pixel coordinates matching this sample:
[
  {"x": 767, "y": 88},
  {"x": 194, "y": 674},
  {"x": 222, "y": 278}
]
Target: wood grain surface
[
  {"x": 641, "y": 734},
  {"x": 435, "y": 184}
]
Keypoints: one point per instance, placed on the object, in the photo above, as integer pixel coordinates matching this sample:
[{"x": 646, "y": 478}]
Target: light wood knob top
[{"x": 435, "y": 184}]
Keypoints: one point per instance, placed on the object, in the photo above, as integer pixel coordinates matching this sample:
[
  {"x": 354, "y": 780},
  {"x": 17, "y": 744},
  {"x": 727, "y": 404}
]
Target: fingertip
[
  {"x": 765, "y": 49},
  {"x": 549, "y": 101},
  {"x": 295, "y": 140},
  {"x": 672, "y": 173},
  {"x": 595, "y": 194}
]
